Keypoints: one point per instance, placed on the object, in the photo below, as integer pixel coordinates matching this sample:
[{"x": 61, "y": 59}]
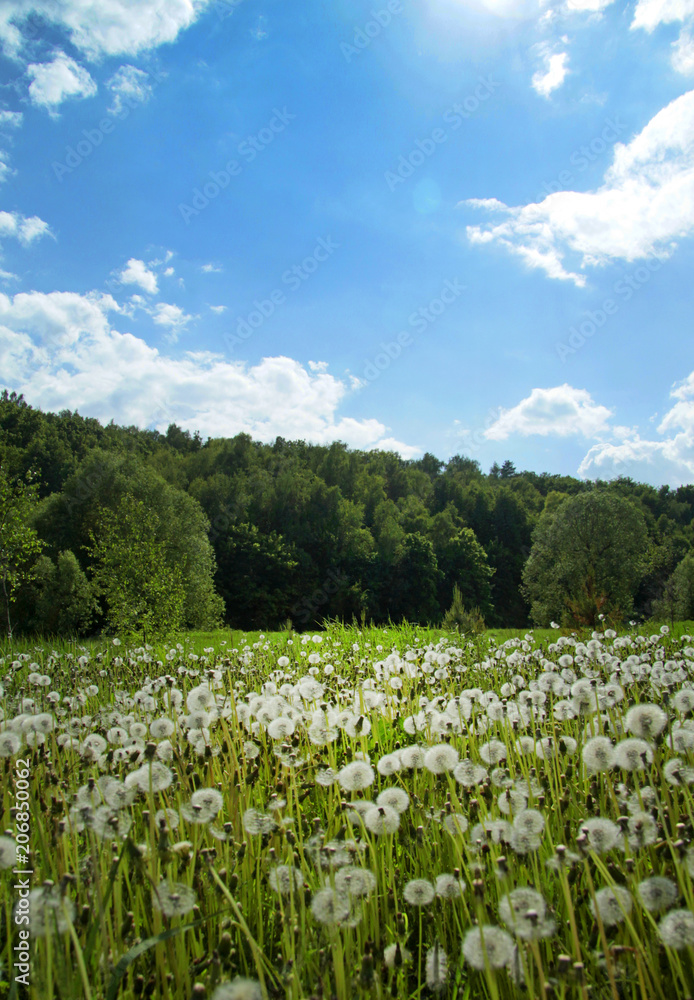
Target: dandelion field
[{"x": 357, "y": 813}]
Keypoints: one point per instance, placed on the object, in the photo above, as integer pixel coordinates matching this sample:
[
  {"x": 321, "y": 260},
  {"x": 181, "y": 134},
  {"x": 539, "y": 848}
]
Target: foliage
[
  {"x": 587, "y": 558},
  {"x": 677, "y": 600},
  {"x": 141, "y": 585},
  {"x": 467, "y": 622},
  {"x": 322, "y": 531},
  {"x": 19, "y": 542}
]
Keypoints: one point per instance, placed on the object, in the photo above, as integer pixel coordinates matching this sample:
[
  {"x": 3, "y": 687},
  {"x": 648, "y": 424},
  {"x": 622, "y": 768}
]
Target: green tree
[
  {"x": 59, "y": 600},
  {"x": 142, "y": 588},
  {"x": 676, "y": 602},
  {"x": 587, "y": 559},
  {"x": 19, "y": 541}
]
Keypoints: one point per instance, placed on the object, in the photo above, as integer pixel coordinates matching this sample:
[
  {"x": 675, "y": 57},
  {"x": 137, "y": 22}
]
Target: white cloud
[
  {"x": 218, "y": 309},
  {"x": 11, "y": 119},
  {"x": 172, "y": 317},
  {"x": 54, "y": 82},
  {"x": 555, "y": 72},
  {"x": 26, "y": 230},
  {"x": 168, "y": 272},
  {"x": 103, "y": 27},
  {"x": 648, "y": 14},
  {"x": 683, "y": 54},
  {"x": 60, "y": 351},
  {"x": 645, "y": 204},
  {"x": 561, "y": 410},
  {"x": 135, "y": 272},
  {"x": 129, "y": 86},
  {"x": 211, "y": 269},
  {"x": 669, "y": 459}
]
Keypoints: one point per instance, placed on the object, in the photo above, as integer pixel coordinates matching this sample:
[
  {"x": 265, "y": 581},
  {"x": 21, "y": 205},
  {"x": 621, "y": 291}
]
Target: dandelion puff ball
[
  {"x": 355, "y": 776},
  {"x": 598, "y": 754},
  {"x": 633, "y": 754},
  {"x": 493, "y": 752},
  {"x": 239, "y": 989},
  {"x": 440, "y": 758},
  {"x": 657, "y": 893},
  {"x": 330, "y": 907},
  {"x": 613, "y": 904},
  {"x": 285, "y": 879},
  {"x": 646, "y": 721},
  {"x": 449, "y": 887},
  {"x": 8, "y": 852},
  {"x": 419, "y": 892},
  {"x": 455, "y": 823},
  {"x": 602, "y": 834},
  {"x": 436, "y": 967},
  {"x": 354, "y": 881},
  {"x": 395, "y": 955},
  {"x": 677, "y": 929},
  {"x": 487, "y": 944},
  {"x": 173, "y": 899},
  {"x": 381, "y": 819},
  {"x": 412, "y": 757},
  {"x": 395, "y": 798}
]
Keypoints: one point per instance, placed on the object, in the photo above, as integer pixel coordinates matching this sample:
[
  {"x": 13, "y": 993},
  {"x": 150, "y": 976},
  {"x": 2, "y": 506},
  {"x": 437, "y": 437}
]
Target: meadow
[{"x": 375, "y": 812}]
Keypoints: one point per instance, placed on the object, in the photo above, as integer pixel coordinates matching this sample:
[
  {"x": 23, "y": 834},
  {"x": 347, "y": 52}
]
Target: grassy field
[{"x": 349, "y": 813}]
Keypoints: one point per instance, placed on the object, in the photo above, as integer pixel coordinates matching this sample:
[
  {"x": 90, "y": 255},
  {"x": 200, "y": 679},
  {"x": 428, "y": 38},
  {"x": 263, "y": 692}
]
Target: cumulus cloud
[
  {"x": 218, "y": 309},
  {"x": 11, "y": 119},
  {"x": 645, "y": 204},
  {"x": 648, "y": 14},
  {"x": 54, "y": 82},
  {"x": 136, "y": 272},
  {"x": 101, "y": 28},
  {"x": 26, "y": 230},
  {"x": 683, "y": 53},
  {"x": 129, "y": 86},
  {"x": 561, "y": 410},
  {"x": 60, "y": 350},
  {"x": 173, "y": 317},
  {"x": 551, "y": 77}
]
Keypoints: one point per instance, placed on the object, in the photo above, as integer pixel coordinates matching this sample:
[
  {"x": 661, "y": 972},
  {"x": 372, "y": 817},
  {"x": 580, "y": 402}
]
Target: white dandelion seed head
[
  {"x": 285, "y": 879},
  {"x": 602, "y": 834},
  {"x": 646, "y": 721},
  {"x": 676, "y": 929},
  {"x": 598, "y": 754},
  {"x": 436, "y": 967},
  {"x": 419, "y": 892},
  {"x": 657, "y": 893},
  {"x": 412, "y": 757},
  {"x": 487, "y": 945},
  {"x": 354, "y": 881},
  {"x": 613, "y": 904},
  {"x": 449, "y": 887},
  {"x": 395, "y": 798},
  {"x": 380, "y": 819},
  {"x": 239, "y": 988},
  {"x": 330, "y": 907},
  {"x": 356, "y": 775}
]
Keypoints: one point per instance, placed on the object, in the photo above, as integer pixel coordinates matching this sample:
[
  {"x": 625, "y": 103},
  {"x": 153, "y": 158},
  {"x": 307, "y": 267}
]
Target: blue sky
[{"x": 428, "y": 226}]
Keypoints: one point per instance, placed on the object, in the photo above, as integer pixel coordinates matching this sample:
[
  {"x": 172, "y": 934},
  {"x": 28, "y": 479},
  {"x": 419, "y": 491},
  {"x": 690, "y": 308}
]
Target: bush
[{"x": 458, "y": 619}]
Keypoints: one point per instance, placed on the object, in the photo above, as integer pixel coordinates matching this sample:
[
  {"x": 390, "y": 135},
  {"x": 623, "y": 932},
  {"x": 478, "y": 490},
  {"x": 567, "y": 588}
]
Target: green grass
[{"x": 108, "y": 872}]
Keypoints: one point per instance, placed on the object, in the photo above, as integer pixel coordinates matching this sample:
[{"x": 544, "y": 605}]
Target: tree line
[{"x": 136, "y": 530}]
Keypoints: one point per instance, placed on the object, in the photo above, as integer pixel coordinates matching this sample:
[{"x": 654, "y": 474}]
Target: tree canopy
[{"x": 265, "y": 532}]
